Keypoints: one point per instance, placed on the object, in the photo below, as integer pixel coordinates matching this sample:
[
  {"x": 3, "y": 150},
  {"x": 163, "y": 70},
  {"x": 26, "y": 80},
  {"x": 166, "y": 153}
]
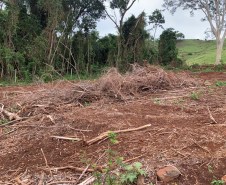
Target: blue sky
[{"x": 181, "y": 21}]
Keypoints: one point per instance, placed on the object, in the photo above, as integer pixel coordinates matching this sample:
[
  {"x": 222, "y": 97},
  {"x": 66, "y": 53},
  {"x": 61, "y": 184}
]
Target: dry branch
[
  {"x": 203, "y": 148},
  {"x": 66, "y": 138},
  {"x": 135, "y": 158},
  {"x": 41, "y": 179},
  {"x": 17, "y": 179},
  {"x": 83, "y": 173},
  {"x": 62, "y": 182},
  {"x": 88, "y": 181},
  {"x": 127, "y": 86},
  {"x": 105, "y": 134},
  {"x": 219, "y": 125},
  {"x": 46, "y": 162},
  {"x": 11, "y": 116},
  {"x": 71, "y": 167},
  {"x": 79, "y": 130},
  {"x": 211, "y": 116},
  {"x": 14, "y": 121}
]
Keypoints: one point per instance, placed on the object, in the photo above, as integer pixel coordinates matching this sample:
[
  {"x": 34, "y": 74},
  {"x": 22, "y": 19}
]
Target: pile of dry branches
[{"x": 138, "y": 81}]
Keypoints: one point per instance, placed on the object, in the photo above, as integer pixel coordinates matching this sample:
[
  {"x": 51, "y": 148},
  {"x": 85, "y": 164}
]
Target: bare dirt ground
[{"x": 181, "y": 134}]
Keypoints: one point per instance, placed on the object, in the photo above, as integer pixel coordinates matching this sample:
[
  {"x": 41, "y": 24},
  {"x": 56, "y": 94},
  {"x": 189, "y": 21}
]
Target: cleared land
[{"x": 181, "y": 134}]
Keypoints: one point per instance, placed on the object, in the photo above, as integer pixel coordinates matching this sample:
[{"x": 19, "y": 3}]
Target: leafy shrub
[{"x": 190, "y": 54}]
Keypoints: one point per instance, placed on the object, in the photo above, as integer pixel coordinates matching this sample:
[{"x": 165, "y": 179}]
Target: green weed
[
  {"x": 157, "y": 100},
  {"x": 220, "y": 83},
  {"x": 220, "y": 67},
  {"x": 210, "y": 91},
  {"x": 132, "y": 172},
  {"x": 215, "y": 181},
  {"x": 194, "y": 96},
  {"x": 4, "y": 121},
  {"x": 182, "y": 100},
  {"x": 111, "y": 177},
  {"x": 175, "y": 101}
]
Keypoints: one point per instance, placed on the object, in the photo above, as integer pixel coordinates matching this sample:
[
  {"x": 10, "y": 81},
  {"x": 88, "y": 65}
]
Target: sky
[{"x": 181, "y": 21}]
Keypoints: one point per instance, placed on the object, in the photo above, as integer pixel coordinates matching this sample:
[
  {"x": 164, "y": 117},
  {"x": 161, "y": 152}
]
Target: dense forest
[{"x": 40, "y": 37}]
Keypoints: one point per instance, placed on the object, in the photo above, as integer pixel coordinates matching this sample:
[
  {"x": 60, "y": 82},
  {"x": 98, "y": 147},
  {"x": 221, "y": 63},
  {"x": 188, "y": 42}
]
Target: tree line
[{"x": 39, "y": 36}]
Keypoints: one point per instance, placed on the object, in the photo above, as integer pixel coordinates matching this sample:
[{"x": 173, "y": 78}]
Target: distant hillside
[{"x": 199, "y": 51}]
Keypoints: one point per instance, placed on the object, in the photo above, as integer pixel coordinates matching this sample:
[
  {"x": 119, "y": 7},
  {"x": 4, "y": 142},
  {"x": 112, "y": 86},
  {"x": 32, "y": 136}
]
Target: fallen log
[{"x": 105, "y": 134}]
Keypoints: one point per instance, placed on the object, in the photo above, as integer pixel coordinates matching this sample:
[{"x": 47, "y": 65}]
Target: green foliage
[
  {"x": 133, "y": 40},
  {"x": 210, "y": 91},
  {"x": 190, "y": 54},
  {"x": 210, "y": 169},
  {"x": 167, "y": 47},
  {"x": 157, "y": 100},
  {"x": 220, "y": 67},
  {"x": 220, "y": 83},
  {"x": 180, "y": 35},
  {"x": 106, "y": 50},
  {"x": 112, "y": 136},
  {"x": 4, "y": 121},
  {"x": 157, "y": 18},
  {"x": 110, "y": 177},
  {"x": 30, "y": 32},
  {"x": 215, "y": 181},
  {"x": 194, "y": 96},
  {"x": 132, "y": 172}
]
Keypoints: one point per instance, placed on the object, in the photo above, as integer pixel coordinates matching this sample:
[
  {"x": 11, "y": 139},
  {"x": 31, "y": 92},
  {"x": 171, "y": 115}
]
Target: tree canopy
[{"x": 167, "y": 46}]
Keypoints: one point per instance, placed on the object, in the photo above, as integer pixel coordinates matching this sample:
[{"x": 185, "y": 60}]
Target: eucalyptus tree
[
  {"x": 134, "y": 35},
  {"x": 123, "y": 7},
  {"x": 214, "y": 12},
  {"x": 157, "y": 19}
]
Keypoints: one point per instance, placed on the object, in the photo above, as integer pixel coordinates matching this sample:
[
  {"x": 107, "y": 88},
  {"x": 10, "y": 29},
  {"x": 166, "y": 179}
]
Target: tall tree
[
  {"x": 157, "y": 19},
  {"x": 215, "y": 14},
  {"x": 167, "y": 46},
  {"x": 123, "y": 6},
  {"x": 134, "y": 35},
  {"x": 180, "y": 35}
]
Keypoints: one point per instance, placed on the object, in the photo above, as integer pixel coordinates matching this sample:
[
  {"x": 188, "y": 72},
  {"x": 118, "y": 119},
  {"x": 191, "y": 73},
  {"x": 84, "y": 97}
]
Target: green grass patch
[{"x": 199, "y": 51}]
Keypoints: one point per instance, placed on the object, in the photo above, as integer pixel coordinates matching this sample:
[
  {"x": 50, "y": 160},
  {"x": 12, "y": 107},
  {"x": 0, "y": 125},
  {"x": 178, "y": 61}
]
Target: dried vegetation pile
[
  {"x": 139, "y": 81},
  {"x": 112, "y": 86}
]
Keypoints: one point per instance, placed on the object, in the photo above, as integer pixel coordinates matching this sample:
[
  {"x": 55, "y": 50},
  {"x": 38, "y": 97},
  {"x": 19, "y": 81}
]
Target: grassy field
[{"x": 199, "y": 51}]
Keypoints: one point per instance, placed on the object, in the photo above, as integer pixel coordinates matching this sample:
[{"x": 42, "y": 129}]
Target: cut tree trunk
[{"x": 219, "y": 51}]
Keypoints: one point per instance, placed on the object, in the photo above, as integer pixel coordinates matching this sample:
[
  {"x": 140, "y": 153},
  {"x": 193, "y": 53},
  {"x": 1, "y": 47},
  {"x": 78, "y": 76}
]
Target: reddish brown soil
[{"x": 181, "y": 134}]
